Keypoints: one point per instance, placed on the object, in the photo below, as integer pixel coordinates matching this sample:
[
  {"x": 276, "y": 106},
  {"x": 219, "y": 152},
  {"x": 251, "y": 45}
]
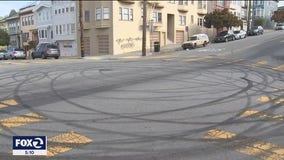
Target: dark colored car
[
  {"x": 45, "y": 50},
  {"x": 255, "y": 30},
  {"x": 224, "y": 36}
]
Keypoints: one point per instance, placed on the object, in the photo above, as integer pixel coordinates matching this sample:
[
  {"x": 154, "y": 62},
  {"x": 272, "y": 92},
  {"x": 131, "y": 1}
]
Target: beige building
[
  {"x": 115, "y": 27},
  {"x": 28, "y": 28}
]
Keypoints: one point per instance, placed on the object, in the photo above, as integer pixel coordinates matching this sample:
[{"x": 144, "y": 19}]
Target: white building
[
  {"x": 43, "y": 22},
  {"x": 64, "y": 26}
]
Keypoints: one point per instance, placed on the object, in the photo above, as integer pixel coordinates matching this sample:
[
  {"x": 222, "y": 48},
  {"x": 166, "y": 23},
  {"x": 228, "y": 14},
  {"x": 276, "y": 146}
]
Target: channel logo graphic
[{"x": 29, "y": 145}]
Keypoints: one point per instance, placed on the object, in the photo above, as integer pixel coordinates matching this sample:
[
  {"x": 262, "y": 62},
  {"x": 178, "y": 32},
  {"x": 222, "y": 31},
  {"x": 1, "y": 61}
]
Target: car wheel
[
  {"x": 194, "y": 46},
  {"x": 43, "y": 56},
  {"x": 56, "y": 57},
  {"x": 204, "y": 44}
]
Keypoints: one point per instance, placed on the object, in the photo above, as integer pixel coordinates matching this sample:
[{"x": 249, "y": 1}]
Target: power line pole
[
  {"x": 144, "y": 27},
  {"x": 249, "y": 15},
  {"x": 81, "y": 28}
]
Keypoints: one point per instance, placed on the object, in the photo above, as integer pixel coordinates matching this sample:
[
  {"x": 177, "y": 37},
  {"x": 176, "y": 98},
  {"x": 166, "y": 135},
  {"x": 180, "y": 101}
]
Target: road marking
[
  {"x": 21, "y": 120},
  {"x": 264, "y": 99},
  {"x": 245, "y": 145},
  {"x": 7, "y": 103},
  {"x": 65, "y": 142},
  {"x": 267, "y": 99},
  {"x": 279, "y": 68},
  {"x": 260, "y": 63},
  {"x": 262, "y": 115}
]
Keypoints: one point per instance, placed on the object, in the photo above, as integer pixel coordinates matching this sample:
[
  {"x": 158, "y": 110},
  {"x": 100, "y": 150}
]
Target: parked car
[
  {"x": 16, "y": 53},
  {"x": 225, "y": 36},
  {"x": 255, "y": 30},
  {"x": 45, "y": 50},
  {"x": 279, "y": 26},
  {"x": 8, "y": 54},
  {"x": 240, "y": 34},
  {"x": 2, "y": 54},
  {"x": 196, "y": 40}
]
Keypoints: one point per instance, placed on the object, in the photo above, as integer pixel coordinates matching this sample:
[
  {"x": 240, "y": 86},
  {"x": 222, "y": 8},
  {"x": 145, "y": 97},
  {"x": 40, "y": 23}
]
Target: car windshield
[
  {"x": 254, "y": 27},
  {"x": 193, "y": 38},
  {"x": 236, "y": 32},
  {"x": 223, "y": 33},
  {"x": 3, "y": 51},
  {"x": 19, "y": 49},
  {"x": 280, "y": 25},
  {"x": 53, "y": 46}
]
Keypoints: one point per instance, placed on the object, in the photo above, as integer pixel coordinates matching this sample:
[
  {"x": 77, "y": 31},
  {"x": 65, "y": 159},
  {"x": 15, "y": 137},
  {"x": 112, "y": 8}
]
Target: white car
[
  {"x": 279, "y": 26},
  {"x": 2, "y": 54},
  {"x": 196, "y": 40},
  {"x": 240, "y": 34}
]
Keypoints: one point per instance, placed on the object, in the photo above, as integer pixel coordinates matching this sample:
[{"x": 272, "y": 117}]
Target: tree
[
  {"x": 32, "y": 44},
  {"x": 259, "y": 21},
  {"x": 221, "y": 18},
  {"x": 278, "y": 16},
  {"x": 4, "y": 38}
]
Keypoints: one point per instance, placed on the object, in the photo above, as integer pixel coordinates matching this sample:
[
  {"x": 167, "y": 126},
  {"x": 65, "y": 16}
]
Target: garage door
[
  {"x": 103, "y": 44},
  {"x": 179, "y": 37},
  {"x": 154, "y": 37}
]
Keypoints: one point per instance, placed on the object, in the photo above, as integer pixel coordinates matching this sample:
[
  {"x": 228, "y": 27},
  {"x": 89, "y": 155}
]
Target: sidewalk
[{"x": 138, "y": 54}]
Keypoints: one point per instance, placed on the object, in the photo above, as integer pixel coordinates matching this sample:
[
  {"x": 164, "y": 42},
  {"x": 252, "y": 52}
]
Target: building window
[
  {"x": 182, "y": 2},
  {"x": 63, "y": 10},
  {"x": 73, "y": 28},
  {"x": 87, "y": 16},
  {"x": 192, "y": 19},
  {"x": 126, "y": 14},
  {"x": 98, "y": 13},
  {"x": 72, "y": 9},
  {"x": 55, "y": 11},
  {"x": 60, "y": 29},
  {"x": 220, "y": 3},
  {"x": 199, "y": 4},
  {"x": 157, "y": 17},
  {"x": 56, "y": 30},
  {"x": 172, "y": 1},
  {"x": 106, "y": 13},
  {"x": 192, "y": 1},
  {"x": 67, "y": 9},
  {"x": 59, "y": 11},
  {"x": 68, "y": 28},
  {"x": 200, "y": 21},
  {"x": 182, "y": 20}
]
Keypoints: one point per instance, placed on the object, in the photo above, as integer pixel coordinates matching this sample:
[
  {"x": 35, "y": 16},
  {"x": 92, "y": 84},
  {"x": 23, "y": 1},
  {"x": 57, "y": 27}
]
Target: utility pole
[
  {"x": 144, "y": 27},
  {"x": 81, "y": 28},
  {"x": 249, "y": 15}
]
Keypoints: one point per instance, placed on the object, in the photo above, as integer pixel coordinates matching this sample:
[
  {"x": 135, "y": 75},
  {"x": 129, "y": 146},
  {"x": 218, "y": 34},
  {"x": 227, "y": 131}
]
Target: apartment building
[
  {"x": 43, "y": 22},
  {"x": 27, "y": 26},
  {"x": 64, "y": 17},
  {"x": 218, "y": 4},
  {"x": 14, "y": 31},
  {"x": 115, "y": 27},
  {"x": 265, "y": 9}
]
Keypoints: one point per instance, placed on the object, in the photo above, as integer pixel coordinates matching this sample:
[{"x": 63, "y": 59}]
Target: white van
[{"x": 196, "y": 40}]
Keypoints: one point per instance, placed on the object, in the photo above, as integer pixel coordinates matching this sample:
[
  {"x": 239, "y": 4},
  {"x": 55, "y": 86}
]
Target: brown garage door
[
  {"x": 179, "y": 37},
  {"x": 103, "y": 44}
]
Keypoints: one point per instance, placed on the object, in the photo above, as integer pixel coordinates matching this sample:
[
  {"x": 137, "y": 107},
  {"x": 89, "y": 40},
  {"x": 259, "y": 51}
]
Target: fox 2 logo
[{"x": 29, "y": 142}]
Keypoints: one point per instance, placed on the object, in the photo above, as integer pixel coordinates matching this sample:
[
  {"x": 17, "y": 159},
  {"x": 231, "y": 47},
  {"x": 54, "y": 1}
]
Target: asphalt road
[{"x": 221, "y": 102}]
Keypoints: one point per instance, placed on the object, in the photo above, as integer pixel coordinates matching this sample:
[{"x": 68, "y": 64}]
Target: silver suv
[{"x": 45, "y": 50}]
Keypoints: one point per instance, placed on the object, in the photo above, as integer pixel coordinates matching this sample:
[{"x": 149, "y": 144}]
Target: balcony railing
[
  {"x": 103, "y": 24},
  {"x": 182, "y": 8},
  {"x": 126, "y": 1}
]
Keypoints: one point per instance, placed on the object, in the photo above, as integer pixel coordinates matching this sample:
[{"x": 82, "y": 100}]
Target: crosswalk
[{"x": 57, "y": 144}]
